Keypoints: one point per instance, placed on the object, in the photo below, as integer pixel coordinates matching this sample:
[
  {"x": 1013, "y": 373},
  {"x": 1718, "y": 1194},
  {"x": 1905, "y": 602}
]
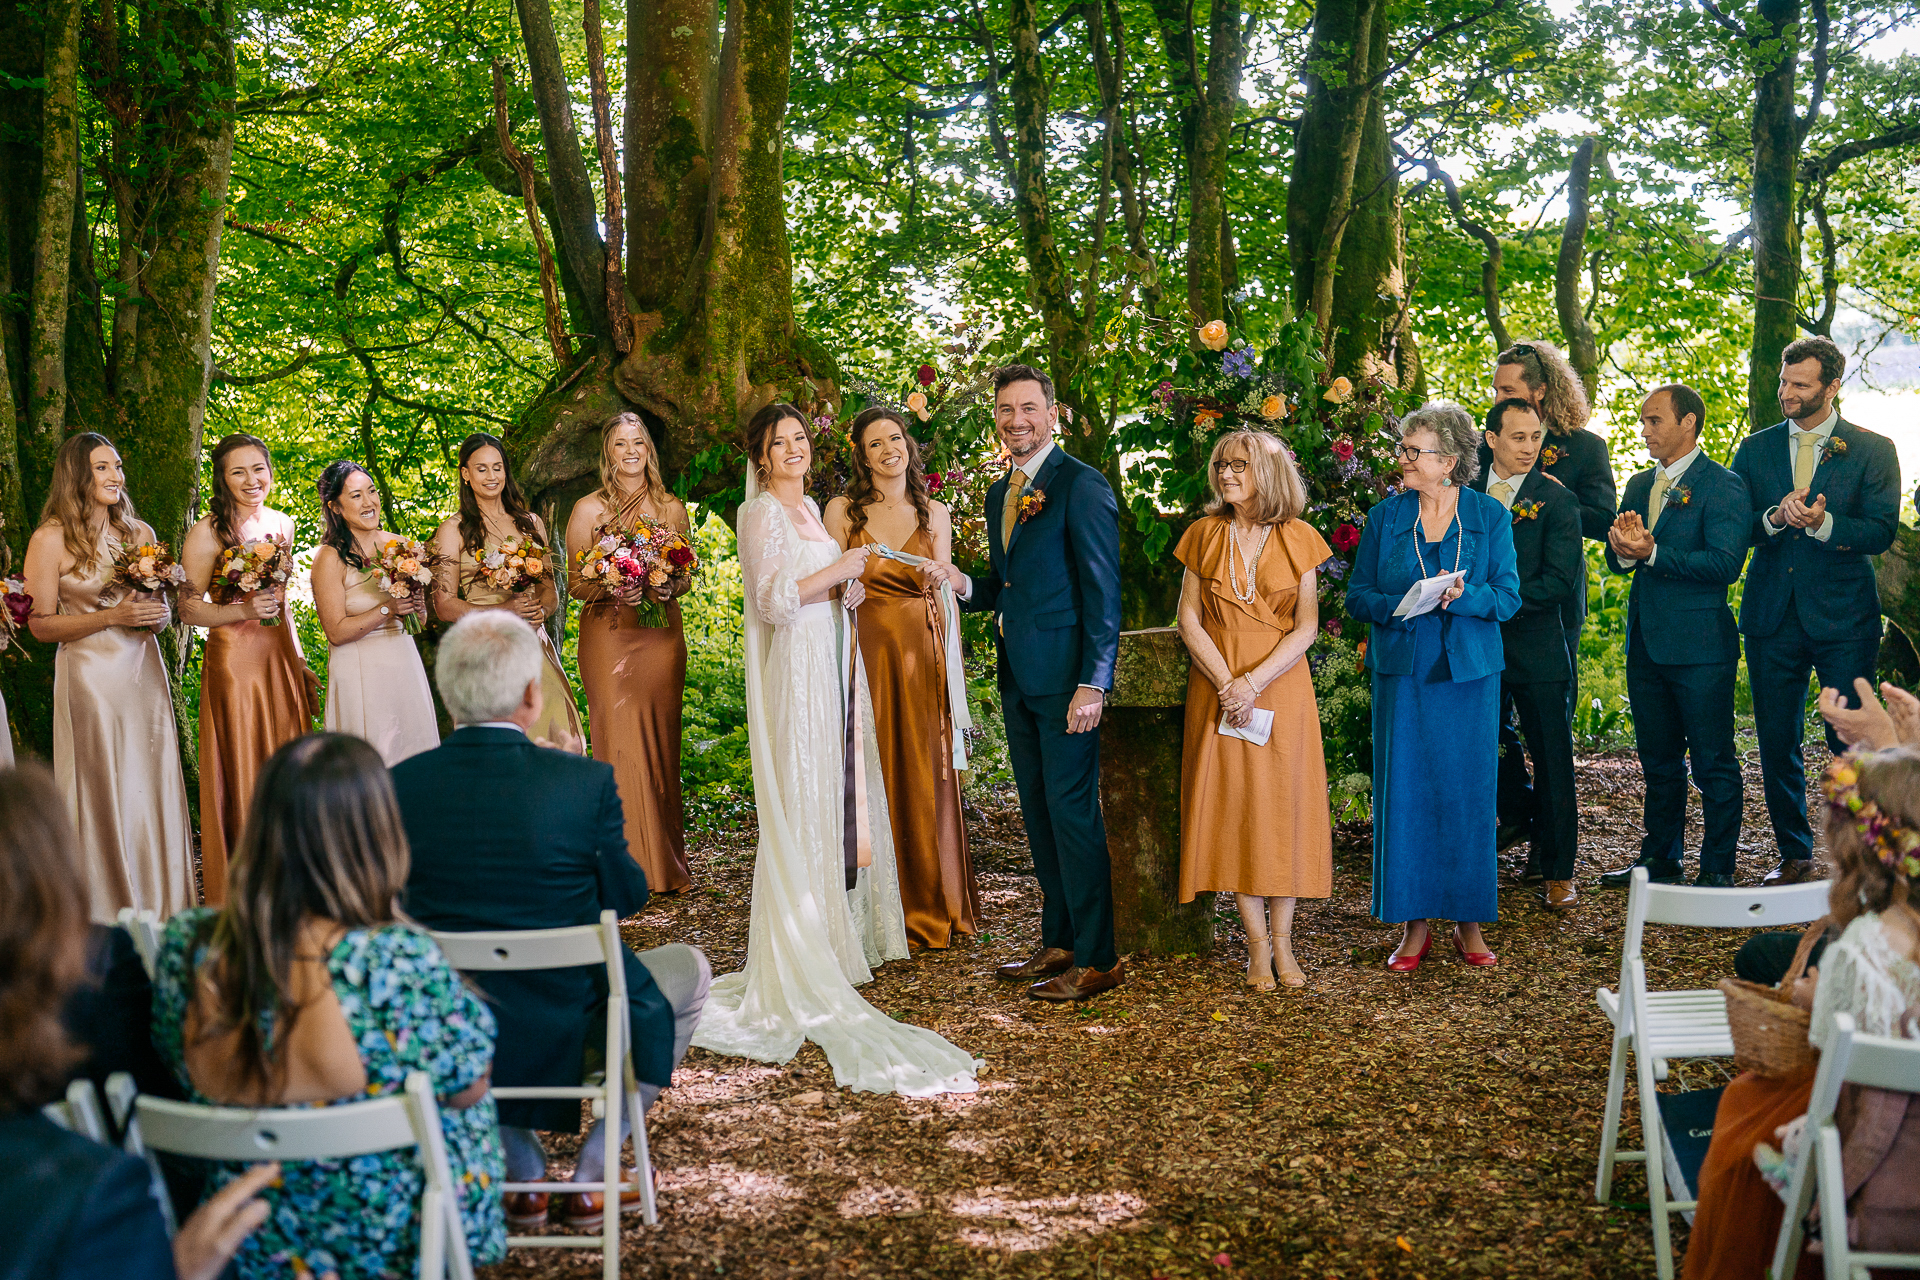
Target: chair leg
[
  {"x": 1800, "y": 1191},
  {"x": 1610, "y": 1130},
  {"x": 1833, "y": 1203},
  {"x": 433, "y": 1235},
  {"x": 1651, "y": 1138},
  {"x": 643, "y": 1160}
]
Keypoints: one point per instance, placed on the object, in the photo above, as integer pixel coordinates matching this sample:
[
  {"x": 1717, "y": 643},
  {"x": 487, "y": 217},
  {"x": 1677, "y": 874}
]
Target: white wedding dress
[{"x": 810, "y": 940}]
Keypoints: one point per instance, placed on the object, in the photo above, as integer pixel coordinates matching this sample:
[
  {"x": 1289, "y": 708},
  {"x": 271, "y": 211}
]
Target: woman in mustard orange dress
[
  {"x": 1253, "y": 817},
  {"x": 256, "y": 692},
  {"x": 903, "y": 643},
  {"x": 635, "y": 674}
]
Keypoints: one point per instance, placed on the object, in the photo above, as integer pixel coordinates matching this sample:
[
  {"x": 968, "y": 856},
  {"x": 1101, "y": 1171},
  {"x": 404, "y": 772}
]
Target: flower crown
[{"x": 1896, "y": 846}]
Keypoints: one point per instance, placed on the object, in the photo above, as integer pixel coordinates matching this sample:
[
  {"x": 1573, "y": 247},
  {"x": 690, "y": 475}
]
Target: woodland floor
[{"x": 1371, "y": 1125}]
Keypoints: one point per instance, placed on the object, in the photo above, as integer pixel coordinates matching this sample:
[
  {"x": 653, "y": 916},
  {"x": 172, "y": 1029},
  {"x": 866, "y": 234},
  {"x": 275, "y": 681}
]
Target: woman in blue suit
[{"x": 1436, "y": 685}]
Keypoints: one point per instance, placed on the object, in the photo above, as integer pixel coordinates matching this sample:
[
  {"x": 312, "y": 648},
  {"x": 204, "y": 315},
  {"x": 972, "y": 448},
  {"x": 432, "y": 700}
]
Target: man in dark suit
[
  {"x": 1552, "y": 567},
  {"x": 1826, "y": 499},
  {"x": 1682, "y": 534},
  {"x": 509, "y": 835},
  {"x": 1053, "y": 588}
]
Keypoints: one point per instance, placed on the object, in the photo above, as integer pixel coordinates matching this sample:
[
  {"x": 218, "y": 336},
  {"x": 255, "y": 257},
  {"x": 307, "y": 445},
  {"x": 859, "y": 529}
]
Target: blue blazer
[
  {"x": 1679, "y": 602},
  {"x": 1384, "y": 567},
  {"x": 1056, "y": 588},
  {"x": 71, "y": 1209},
  {"x": 1830, "y": 584}
]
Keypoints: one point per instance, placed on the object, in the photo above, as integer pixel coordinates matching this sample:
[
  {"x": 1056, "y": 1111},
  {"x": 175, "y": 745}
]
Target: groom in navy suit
[
  {"x": 1826, "y": 499},
  {"x": 1053, "y": 588}
]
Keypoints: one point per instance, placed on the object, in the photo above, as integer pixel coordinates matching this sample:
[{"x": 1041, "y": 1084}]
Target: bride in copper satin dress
[
  {"x": 635, "y": 675},
  {"x": 116, "y": 747},
  {"x": 492, "y": 510},
  {"x": 903, "y": 644},
  {"x": 256, "y": 693}
]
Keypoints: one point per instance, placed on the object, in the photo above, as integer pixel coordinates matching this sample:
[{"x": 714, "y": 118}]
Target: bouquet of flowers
[
  {"x": 147, "y": 567},
  {"x": 15, "y": 608},
  {"x": 644, "y": 553},
  {"x": 406, "y": 569},
  {"x": 252, "y": 566},
  {"x": 518, "y": 564}
]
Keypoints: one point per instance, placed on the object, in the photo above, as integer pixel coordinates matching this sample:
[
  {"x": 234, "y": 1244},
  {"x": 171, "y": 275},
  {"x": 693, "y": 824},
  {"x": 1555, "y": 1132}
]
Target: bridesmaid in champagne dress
[
  {"x": 491, "y": 511},
  {"x": 376, "y": 683},
  {"x": 116, "y": 748},
  {"x": 635, "y": 674},
  {"x": 256, "y": 693},
  {"x": 903, "y": 642}
]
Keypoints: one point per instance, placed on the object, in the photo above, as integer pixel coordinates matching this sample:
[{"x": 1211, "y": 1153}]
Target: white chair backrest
[
  {"x": 281, "y": 1133},
  {"x": 79, "y": 1112},
  {"x": 1880, "y": 1062},
  {"x": 504, "y": 952},
  {"x": 144, "y": 926},
  {"x": 1777, "y": 908}
]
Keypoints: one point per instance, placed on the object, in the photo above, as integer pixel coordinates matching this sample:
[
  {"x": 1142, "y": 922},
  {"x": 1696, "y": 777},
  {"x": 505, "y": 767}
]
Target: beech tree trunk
[
  {"x": 1582, "y": 351},
  {"x": 1776, "y": 233}
]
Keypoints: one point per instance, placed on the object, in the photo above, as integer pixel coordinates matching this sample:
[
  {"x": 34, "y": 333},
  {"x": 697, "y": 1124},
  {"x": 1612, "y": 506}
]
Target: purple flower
[{"x": 1238, "y": 363}]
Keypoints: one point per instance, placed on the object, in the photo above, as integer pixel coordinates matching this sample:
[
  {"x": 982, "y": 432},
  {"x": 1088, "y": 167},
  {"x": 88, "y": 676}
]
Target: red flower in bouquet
[
  {"x": 1343, "y": 450},
  {"x": 147, "y": 567},
  {"x": 264, "y": 565},
  {"x": 16, "y": 606},
  {"x": 1346, "y": 538},
  {"x": 925, "y": 375},
  {"x": 935, "y": 482},
  {"x": 628, "y": 559}
]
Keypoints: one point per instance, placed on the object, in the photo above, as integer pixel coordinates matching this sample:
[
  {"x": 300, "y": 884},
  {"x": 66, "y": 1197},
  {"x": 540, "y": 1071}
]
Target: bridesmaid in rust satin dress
[
  {"x": 635, "y": 674},
  {"x": 116, "y": 747},
  {"x": 256, "y": 693},
  {"x": 903, "y": 643}
]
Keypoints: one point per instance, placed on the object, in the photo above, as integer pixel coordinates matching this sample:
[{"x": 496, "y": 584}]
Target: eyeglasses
[
  {"x": 1412, "y": 452},
  {"x": 1236, "y": 465}
]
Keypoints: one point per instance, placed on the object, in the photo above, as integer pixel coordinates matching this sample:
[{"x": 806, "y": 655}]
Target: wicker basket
[{"x": 1769, "y": 1030}]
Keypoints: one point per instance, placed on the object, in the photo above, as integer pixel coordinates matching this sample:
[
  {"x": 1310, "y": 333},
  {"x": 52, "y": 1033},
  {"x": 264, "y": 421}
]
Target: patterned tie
[
  {"x": 1806, "y": 446},
  {"x": 1010, "y": 514},
  {"x": 1658, "y": 502},
  {"x": 1502, "y": 490}
]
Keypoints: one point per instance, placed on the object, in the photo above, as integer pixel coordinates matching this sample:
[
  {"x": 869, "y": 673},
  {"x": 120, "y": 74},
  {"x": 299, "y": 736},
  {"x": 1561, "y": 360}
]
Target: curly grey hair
[{"x": 1454, "y": 429}]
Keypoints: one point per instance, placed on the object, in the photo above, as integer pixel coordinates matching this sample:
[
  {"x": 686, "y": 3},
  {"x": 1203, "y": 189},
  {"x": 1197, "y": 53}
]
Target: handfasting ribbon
[{"x": 956, "y": 669}]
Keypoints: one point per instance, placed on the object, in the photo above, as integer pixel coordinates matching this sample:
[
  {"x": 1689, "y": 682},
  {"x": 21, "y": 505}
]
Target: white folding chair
[
  {"x": 1875, "y": 1062},
  {"x": 407, "y": 1119},
  {"x": 612, "y": 1089},
  {"x": 79, "y": 1112},
  {"x": 1657, "y": 1025},
  {"x": 145, "y": 928}
]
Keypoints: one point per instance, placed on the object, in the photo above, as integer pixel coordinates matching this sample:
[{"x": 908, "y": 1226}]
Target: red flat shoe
[
  {"x": 1407, "y": 964},
  {"x": 1484, "y": 959}
]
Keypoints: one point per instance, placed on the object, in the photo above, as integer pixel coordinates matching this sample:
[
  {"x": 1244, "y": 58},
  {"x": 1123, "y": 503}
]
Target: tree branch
[
  {"x": 1490, "y": 264},
  {"x": 1581, "y": 351},
  {"x": 1421, "y": 45},
  {"x": 1734, "y": 241},
  {"x": 1713, "y": 11},
  {"x": 614, "y": 272},
  {"x": 301, "y": 360},
  {"x": 1818, "y": 168},
  {"x": 550, "y": 294},
  {"x": 1822, "y": 30}
]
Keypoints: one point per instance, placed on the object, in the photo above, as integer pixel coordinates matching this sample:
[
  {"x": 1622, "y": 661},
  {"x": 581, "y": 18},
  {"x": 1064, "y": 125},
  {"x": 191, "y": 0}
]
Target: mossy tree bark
[{"x": 1777, "y": 133}]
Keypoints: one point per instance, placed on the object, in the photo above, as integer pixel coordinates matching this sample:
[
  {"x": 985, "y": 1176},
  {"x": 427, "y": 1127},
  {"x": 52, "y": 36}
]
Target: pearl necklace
[
  {"x": 1248, "y": 564},
  {"x": 1457, "y": 547}
]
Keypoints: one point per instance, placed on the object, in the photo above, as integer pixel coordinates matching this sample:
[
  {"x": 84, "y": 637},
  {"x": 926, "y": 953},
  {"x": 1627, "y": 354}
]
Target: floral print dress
[{"x": 408, "y": 1011}]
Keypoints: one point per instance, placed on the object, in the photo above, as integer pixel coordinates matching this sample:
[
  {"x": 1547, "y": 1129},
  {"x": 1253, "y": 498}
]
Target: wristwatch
[{"x": 385, "y": 612}]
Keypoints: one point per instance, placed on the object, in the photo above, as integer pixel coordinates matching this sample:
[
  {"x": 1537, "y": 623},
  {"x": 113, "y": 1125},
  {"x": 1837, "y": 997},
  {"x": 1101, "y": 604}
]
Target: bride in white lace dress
[{"x": 810, "y": 939}]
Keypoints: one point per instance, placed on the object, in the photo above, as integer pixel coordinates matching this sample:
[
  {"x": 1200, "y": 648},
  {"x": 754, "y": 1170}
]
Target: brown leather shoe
[
  {"x": 1792, "y": 871},
  {"x": 525, "y": 1209},
  {"x": 1043, "y": 963},
  {"x": 1561, "y": 895},
  {"x": 1077, "y": 983},
  {"x": 585, "y": 1209}
]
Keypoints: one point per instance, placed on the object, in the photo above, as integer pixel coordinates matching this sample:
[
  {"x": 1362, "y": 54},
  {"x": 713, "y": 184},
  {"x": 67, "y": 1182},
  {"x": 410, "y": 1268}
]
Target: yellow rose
[
  {"x": 917, "y": 401},
  {"x": 409, "y": 566},
  {"x": 1273, "y": 407},
  {"x": 1213, "y": 335},
  {"x": 1340, "y": 392}
]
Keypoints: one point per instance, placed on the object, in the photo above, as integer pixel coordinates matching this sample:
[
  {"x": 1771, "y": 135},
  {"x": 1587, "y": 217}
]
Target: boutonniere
[
  {"x": 1527, "y": 511},
  {"x": 1834, "y": 447},
  {"x": 1551, "y": 454},
  {"x": 1679, "y": 496},
  {"x": 1032, "y": 502}
]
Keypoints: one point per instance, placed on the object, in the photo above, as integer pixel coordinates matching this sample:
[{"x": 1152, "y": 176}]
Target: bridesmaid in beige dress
[
  {"x": 491, "y": 511},
  {"x": 634, "y": 675},
  {"x": 376, "y": 683},
  {"x": 903, "y": 645},
  {"x": 116, "y": 748},
  {"x": 256, "y": 693}
]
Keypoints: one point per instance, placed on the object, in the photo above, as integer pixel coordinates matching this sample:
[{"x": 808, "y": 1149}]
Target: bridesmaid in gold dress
[
  {"x": 256, "y": 693},
  {"x": 116, "y": 748},
  {"x": 903, "y": 642},
  {"x": 376, "y": 683},
  {"x": 491, "y": 511},
  {"x": 635, "y": 675}
]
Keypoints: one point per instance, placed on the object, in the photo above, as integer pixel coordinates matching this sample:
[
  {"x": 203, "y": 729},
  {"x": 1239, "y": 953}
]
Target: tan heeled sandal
[
  {"x": 1291, "y": 974},
  {"x": 1260, "y": 962}
]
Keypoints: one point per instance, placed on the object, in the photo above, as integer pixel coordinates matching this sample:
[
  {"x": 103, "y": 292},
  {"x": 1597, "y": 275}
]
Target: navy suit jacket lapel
[
  {"x": 1039, "y": 482},
  {"x": 1827, "y": 455}
]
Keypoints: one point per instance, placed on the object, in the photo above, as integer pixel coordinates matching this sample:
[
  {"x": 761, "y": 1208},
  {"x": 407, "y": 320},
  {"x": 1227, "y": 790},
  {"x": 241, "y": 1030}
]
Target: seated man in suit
[
  {"x": 1682, "y": 534},
  {"x": 1826, "y": 500},
  {"x": 509, "y": 835},
  {"x": 1553, "y": 568}
]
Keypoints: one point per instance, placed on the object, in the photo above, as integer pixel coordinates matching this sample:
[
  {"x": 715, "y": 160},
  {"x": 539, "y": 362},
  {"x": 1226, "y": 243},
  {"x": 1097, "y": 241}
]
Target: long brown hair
[
  {"x": 323, "y": 841},
  {"x": 1564, "y": 402},
  {"x": 1861, "y": 881},
  {"x": 861, "y": 490},
  {"x": 220, "y": 499},
  {"x": 70, "y": 499},
  {"x": 43, "y": 936},
  {"x": 609, "y": 495},
  {"x": 759, "y": 434},
  {"x": 473, "y": 526}
]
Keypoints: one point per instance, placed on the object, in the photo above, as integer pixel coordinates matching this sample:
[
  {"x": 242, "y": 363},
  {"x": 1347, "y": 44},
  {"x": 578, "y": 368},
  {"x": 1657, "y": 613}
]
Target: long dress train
[
  {"x": 805, "y": 947},
  {"x": 559, "y": 722}
]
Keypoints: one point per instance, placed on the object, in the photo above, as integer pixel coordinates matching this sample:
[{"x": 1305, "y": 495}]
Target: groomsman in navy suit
[
  {"x": 1682, "y": 533},
  {"x": 1826, "y": 498},
  {"x": 1053, "y": 587}
]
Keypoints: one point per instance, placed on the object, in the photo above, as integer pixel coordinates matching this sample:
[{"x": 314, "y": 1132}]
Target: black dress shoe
[
  {"x": 1508, "y": 836},
  {"x": 1658, "y": 872},
  {"x": 1712, "y": 880}
]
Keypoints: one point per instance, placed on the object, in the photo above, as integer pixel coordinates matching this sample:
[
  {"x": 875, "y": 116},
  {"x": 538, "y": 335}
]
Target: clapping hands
[
  {"x": 1795, "y": 511},
  {"x": 1629, "y": 536},
  {"x": 1871, "y": 725}
]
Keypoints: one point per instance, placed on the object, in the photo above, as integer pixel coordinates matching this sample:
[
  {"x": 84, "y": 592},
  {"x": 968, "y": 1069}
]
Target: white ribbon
[{"x": 956, "y": 669}]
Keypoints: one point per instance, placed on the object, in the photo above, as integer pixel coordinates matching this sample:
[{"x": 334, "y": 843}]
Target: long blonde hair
[
  {"x": 608, "y": 492},
  {"x": 70, "y": 500},
  {"x": 1279, "y": 494}
]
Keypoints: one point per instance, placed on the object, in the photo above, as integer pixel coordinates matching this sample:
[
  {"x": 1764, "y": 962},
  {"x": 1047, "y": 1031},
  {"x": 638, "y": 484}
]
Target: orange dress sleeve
[
  {"x": 1196, "y": 549},
  {"x": 1305, "y": 547}
]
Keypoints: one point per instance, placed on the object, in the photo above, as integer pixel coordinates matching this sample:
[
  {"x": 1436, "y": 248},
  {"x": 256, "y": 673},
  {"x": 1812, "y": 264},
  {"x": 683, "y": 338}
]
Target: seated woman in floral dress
[{"x": 307, "y": 988}]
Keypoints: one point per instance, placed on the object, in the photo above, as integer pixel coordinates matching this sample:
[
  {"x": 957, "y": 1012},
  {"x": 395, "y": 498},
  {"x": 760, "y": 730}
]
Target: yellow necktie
[
  {"x": 1658, "y": 502},
  {"x": 1501, "y": 490},
  {"x": 1010, "y": 514},
  {"x": 1806, "y": 446}
]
